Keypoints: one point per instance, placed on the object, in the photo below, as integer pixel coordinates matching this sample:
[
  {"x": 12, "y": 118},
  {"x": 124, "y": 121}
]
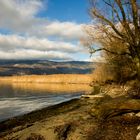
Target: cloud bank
[{"x": 25, "y": 35}]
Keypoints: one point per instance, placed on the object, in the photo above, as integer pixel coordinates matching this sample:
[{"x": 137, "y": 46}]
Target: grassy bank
[{"x": 56, "y": 78}]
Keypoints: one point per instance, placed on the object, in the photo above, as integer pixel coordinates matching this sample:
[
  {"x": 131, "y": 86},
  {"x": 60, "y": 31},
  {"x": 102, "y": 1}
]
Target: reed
[{"x": 54, "y": 79}]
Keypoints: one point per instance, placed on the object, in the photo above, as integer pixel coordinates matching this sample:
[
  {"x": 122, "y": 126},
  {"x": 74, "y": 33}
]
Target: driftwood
[
  {"x": 92, "y": 96},
  {"x": 116, "y": 107}
]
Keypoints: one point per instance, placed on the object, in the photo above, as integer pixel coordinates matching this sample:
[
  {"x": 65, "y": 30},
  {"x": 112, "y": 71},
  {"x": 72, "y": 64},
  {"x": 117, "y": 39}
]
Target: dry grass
[
  {"x": 102, "y": 73},
  {"x": 56, "y": 78}
]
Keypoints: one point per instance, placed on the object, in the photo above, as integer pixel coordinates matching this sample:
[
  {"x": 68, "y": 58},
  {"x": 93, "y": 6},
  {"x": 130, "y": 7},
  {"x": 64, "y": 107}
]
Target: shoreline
[
  {"x": 83, "y": 119},
  {"x": 34, "y": 116},
  {"x": 55, "y": 104},
  {"x": 109, "y": 117}
]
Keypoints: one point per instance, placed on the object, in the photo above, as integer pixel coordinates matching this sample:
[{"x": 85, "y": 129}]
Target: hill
[{"x": 40, "y": 67}]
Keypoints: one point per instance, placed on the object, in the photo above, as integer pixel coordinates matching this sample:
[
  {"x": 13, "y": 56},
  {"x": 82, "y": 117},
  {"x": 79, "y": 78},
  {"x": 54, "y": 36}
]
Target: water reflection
[
  {"x": 18, "y": 89},
  {"x": 20, "y": 98}
]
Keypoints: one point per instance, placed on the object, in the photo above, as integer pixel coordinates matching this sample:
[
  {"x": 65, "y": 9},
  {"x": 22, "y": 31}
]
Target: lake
[{"x": 20, "y": 98}]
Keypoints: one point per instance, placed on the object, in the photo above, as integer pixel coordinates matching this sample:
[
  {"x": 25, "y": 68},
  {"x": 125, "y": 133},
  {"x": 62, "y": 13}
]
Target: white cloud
[
  {"x": 19, "y": 17},
  {"x": 34, "y": 54},
  {"x": 14, "y": 46},
  {"x": 67, "y": 30},
  {"x": 10, "y": 42}
]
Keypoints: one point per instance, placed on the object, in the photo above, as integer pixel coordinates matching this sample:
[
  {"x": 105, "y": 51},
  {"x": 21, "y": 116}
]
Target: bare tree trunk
[
  {"x": 138, "y": 70},
  {"x": 137, "y": 63}
]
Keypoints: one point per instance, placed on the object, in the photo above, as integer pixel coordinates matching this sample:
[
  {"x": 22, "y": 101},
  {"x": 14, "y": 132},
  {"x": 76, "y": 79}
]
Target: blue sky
[
  {"x": 43, "y": 29},
  {"x": 66, "y": 10}
]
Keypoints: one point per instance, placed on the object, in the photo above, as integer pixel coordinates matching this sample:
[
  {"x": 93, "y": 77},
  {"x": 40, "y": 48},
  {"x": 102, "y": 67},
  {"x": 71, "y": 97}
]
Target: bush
[{"x": 103, "y": 74}]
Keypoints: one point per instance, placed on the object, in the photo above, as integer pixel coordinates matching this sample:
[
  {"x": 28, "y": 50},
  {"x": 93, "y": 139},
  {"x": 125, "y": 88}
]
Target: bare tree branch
[
  {"x": 95, "y": 13},
  {"x": 109, "y": 51}
]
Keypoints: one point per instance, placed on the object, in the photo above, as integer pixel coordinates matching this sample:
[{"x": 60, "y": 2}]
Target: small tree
[{"x": 116, "y": 30}]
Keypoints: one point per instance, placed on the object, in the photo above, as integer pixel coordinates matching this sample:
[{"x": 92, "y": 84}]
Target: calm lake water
[{"x": 17, "y": 99}]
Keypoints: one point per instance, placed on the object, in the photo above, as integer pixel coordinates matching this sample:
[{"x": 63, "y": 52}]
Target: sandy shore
[{"x": 78, "y": 119}]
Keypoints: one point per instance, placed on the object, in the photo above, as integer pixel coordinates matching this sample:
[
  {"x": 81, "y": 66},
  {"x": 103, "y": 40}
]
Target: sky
[{"x": 43, "y": 29}]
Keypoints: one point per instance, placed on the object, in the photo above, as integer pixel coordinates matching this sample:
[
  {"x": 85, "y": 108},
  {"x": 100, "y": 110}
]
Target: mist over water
[{"x": 17, "y": 99}]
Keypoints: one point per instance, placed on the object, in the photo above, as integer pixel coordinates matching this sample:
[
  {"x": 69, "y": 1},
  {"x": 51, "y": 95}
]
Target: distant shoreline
[{"x": 50, "y": 79}]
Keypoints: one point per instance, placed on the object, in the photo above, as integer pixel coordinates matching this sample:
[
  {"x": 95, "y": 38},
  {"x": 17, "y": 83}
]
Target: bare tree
[{"x": 116, "y": 23}]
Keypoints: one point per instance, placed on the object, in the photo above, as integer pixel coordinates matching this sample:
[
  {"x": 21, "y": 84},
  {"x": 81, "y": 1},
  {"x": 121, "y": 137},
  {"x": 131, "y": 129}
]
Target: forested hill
[{"x": 39, "y": 67}]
